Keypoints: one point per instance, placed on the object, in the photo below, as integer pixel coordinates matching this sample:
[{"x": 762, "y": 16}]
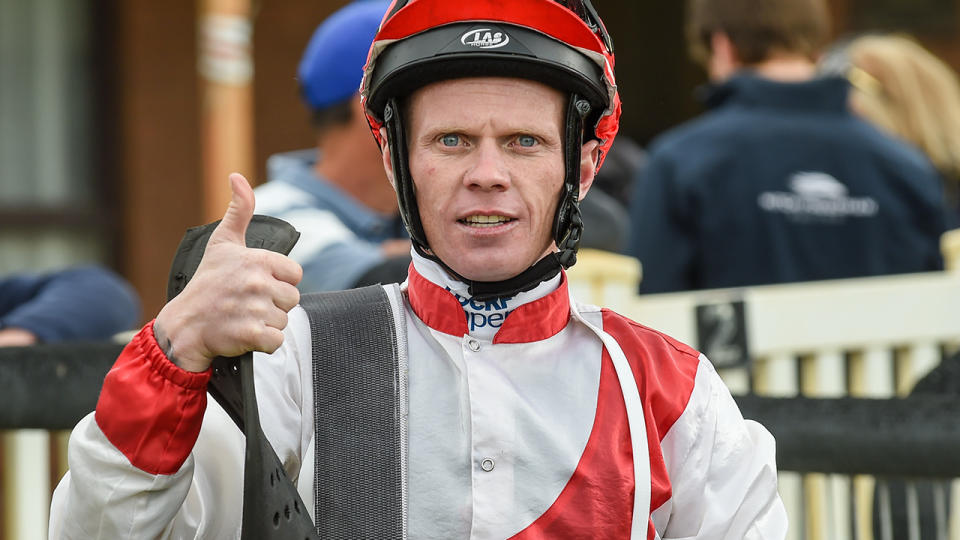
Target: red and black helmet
[{"x": 561, "y": 43}]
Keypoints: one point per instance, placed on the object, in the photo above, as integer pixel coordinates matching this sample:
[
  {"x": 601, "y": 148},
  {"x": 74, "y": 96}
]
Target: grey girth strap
[{"x": 359, "y": 388}]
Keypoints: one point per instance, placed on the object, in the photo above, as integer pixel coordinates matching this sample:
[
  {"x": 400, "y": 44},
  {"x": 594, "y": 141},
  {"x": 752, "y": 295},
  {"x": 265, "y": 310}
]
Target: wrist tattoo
[{"x": 165, "y": 345}]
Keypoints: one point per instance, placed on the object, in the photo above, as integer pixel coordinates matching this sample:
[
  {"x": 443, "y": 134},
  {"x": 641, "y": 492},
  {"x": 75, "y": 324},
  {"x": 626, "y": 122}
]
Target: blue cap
[{"x": 331, "y": 68}]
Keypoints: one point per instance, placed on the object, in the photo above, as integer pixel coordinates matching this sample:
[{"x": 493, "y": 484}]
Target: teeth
[{"x": 485, "y": 221}]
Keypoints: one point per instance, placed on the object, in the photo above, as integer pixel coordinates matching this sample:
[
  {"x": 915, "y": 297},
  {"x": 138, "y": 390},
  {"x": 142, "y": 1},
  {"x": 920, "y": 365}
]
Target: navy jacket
[
  {"x": 780, "y": 183},
  {"x": 85, "y": 303}
]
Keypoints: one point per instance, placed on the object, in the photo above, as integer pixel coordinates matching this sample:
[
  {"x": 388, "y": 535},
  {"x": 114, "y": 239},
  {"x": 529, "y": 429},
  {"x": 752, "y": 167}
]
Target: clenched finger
[
  {"x": 285, "y": 295},
  {"x": 285, "y": 269},
  {"x": 266, "y": 338},
  {"x": 276, "y": 318}
]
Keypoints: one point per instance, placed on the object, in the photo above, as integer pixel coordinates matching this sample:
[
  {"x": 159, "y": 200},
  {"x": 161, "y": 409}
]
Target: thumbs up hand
[{"x": 238, "y": 299}]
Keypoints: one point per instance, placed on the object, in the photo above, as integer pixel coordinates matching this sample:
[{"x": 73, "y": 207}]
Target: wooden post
[
  {"x": 950, "y": 247},
  {"x": 226, "y": 73}
]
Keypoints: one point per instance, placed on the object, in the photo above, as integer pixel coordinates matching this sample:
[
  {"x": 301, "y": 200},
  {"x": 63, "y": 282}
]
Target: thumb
[{"x": 233, "y": 226}]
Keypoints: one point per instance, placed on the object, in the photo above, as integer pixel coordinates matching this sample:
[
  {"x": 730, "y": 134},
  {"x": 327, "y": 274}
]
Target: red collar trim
[
  {"x": 436, "y": 306},
  {"x": 533, "y": 321},
  {"x": 537, "y": 320}
]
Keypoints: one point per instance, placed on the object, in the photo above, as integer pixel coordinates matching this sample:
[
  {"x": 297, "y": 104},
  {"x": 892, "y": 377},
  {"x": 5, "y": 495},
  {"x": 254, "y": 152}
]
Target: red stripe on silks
[
  {"x": 548, "y": 17},
  {"x": 597, "y": 502},
  {"x": 435, "y": 306},
  {"x": 539, "y": 319},
  {"x": 666, "y": 370},
  {"x": 150, "y": 409}
]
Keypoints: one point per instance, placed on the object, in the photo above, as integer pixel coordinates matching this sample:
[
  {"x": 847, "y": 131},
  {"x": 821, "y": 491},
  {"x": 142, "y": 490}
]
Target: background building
[{"x": 105, "y": 115}]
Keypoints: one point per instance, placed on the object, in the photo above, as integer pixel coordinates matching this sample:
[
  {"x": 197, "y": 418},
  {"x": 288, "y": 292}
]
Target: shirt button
[
  {"x": 487, "y": 464},
  {"x": 473, "y": 345}
]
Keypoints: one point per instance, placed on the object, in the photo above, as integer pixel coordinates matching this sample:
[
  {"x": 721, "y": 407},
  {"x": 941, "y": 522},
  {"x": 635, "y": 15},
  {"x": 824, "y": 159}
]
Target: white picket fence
[
  {"x": 31, "y": 462},
  {"x": 871, "y": 337}
]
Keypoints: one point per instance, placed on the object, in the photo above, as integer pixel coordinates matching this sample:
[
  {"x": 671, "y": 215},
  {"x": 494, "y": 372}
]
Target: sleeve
[
  {"x": 605, "y": 222},
  {"x": 661, "y": 231},
  {"x": 333, "y": 257},
  {"x": 722, "y": 471},
  {"x": 80, "y": 303},
  {"x": 941, "y": 219},
  {"x": 340, "y": 265},
  {"x": 391, "y": 270},
  {"x": 159, "y": 460},
  {"x": 921, "y": 204}
]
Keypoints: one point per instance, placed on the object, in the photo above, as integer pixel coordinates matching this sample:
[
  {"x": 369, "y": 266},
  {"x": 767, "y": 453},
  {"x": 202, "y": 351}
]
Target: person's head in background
[
  {"x": 907, "y": 91},
  {"x": 329, "y": 76},
  {"x": 777, "y": 39}
]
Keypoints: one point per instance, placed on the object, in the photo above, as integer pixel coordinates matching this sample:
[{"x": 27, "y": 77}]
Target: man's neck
[{"x": 786, "y": 68}]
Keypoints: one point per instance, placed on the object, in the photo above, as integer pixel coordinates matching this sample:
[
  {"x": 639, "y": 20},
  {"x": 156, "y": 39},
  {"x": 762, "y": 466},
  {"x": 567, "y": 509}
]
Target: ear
[
  {"x": 589, "y": 157},
  {"x": 358, "y": 116},
  {"x": 387, "y": 162},
  {"x": 724, "y": 60}
]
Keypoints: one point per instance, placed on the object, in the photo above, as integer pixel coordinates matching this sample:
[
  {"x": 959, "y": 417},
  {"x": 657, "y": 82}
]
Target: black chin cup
[{"x": 567, "y": 225}]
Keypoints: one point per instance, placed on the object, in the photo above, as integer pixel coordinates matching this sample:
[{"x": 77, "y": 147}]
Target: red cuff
[{"x": 150, "y": 409}]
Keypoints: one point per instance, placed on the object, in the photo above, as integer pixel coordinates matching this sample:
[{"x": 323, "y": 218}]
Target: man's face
[{"x": 486, "y": 157}]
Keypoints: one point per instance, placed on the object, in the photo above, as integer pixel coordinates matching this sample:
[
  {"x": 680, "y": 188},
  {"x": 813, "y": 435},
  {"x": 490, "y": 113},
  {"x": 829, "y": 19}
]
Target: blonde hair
[{"x": 907, "y": 91}]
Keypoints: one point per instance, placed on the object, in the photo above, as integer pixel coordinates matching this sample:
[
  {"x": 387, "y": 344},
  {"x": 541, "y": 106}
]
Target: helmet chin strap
[
  {"x": 567, "y": 225},
  {"x": 568, "y": 222}
]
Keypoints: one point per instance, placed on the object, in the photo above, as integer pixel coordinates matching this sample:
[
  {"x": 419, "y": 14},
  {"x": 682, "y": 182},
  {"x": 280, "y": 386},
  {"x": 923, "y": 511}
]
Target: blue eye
[
  {"x": 450, "y": 140},
  {"x": 526, "y": 141}
]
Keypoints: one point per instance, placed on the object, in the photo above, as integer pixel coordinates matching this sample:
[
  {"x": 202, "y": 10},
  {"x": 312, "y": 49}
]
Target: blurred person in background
[
  {"x": 908, "y": 92},
  {"x": 605, "y": 217},
  {"x": 778, "y": 182},
  {"x": 337, "y": 194},
  {"x": 83, "y": 303},
  {"x": 622, "y": 165}
]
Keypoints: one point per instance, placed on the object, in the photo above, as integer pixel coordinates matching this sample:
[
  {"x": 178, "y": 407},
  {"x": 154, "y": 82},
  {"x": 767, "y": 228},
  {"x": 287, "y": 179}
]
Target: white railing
[
  {"x": 869, "y": 337},
  {"x": 864, "y": 338},
  {"x": 32, "y": 461}
]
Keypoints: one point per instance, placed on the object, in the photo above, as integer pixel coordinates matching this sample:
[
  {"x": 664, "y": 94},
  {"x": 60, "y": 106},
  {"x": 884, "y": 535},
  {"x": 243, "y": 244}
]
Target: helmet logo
[{"x": 485, "y": 38}]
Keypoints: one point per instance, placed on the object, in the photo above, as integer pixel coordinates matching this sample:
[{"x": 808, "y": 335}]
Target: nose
[{"x": 488, "y": 169}]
